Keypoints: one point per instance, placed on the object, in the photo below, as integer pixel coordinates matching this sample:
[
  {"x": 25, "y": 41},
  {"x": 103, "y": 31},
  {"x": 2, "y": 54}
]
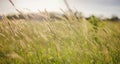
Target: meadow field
[{"x": 67, "y": 41}]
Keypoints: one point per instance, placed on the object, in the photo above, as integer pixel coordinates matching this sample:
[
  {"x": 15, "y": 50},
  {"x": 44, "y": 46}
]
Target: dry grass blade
[
  {"x": 19, "y": 11},
  {"x": 67, "y": 5},
  {"x": 11, "y": 2},
  {"x": 15, "y": 7}
]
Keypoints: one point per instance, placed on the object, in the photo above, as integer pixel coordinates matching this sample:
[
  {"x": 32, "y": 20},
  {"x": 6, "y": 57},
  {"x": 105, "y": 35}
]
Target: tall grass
[
  {"x": 58, "y": 42},
  {"x": 67, "y": 41}
]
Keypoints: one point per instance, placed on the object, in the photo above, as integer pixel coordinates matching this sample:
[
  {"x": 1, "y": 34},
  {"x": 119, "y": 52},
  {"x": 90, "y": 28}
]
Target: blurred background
[{"x": 105, "y": 8}]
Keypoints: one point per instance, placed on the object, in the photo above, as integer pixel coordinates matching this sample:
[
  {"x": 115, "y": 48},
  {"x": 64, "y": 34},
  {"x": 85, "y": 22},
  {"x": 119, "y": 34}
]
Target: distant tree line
[
  {"x": 11, "y": 17},
  {"x": 33, "y": 16},
  {"x": 54, "y": 16},
  {"x": 114, "y": 18}
]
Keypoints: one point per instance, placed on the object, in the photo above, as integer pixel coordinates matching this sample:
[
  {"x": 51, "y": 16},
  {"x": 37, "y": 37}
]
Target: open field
[{"x": 74, "y": 41}]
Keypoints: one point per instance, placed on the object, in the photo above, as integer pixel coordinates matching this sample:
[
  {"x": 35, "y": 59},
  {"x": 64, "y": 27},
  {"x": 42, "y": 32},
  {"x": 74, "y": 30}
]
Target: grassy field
[{"x": 75, "y": 41}]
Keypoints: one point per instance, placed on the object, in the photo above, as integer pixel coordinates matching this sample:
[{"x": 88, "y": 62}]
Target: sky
[{"x": 105, "y": 8}]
